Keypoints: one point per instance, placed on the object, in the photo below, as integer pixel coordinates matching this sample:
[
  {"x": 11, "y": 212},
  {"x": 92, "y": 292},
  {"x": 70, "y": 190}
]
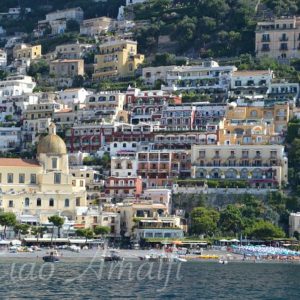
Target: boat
[
  {"x": 223, "y": 261},
  {"x": 113, "y": 256},
  {"x": 53, "y": 256}
]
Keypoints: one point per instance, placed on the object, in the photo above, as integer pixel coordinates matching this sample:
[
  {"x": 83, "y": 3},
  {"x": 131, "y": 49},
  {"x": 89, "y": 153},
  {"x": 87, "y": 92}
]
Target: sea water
[{"x": 86, "y": 279}]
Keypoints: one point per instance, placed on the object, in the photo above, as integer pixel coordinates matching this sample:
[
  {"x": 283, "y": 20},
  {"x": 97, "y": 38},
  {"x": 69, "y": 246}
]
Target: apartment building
[
  {"x": 67, "y": 67},
  {"x": 10, "y": 138},
  {"x": 260, "y": 165},
  {"x": 97, "y": 26},
  {"x": 27, "y": 51},
  {"x": 273, "y": 112},
  {"x": 75, "y": 13},
  {"x": 3, "y": 58},
  {"x": 117, "y": 58},
  {"x": 121, "y": 187},
  {"x": 207, "y": 78},
  {"x": 278, "y": 38},
  {"x": 191, "y": 116},
  {"x": 122, "y": 166},
  {"x": 16, "y": 85},
  {"x": 72, "y": 51},
  {"x": 106, "y": 105},
  {"x": 147, "y": 106},
  {"x": 250, "y": 84},
  {"x": 160, "y": 168},
  {"x": 94, "y": 216}
]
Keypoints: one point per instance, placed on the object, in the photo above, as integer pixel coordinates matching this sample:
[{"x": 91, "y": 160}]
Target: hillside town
[{"x": 99, "y": 138}]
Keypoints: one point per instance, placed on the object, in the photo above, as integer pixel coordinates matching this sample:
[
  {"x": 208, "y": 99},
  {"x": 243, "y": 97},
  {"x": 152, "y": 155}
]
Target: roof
[
  {"x": 252, "y": 73},
  {"x": 66, "y": 61},
  {"x": 18, "y": 162},
  {"x": 65, "y": 110}
]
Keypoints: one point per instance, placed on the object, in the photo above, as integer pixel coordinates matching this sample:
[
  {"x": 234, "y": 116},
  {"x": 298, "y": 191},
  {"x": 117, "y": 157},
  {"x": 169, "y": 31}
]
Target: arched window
[
  {"x": 38, "y": 202},
  {"x": 51, "y": 202},
  {"x": 26, "y": 203},
  {"x": 67, "y": 202}
]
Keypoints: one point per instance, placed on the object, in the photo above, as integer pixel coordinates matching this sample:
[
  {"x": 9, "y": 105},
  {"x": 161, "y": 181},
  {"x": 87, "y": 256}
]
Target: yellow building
[
  {"x": 27, "y": 51},
  {"x": 42, "y": 187},
  {"x": 117, "y": 59},
  {"x": 260, "y": 165},
  {"x": 276, "y": 113},
  {"x": 278, "y": 38}
]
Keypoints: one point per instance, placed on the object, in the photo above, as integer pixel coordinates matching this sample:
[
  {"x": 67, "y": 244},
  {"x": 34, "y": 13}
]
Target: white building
[
  {"x": 123, "y": 166},
  {"x": 72, "y": 51},
  {"x": 68, "y": 14},
  {"x": 250, "y": 84},
  {"x": 16, "y": 85},
  {"x": 131, "y": 2},
  {"x": 160, "y": 196},
  {"x": 294, "y": 223},
  {"x": 152, "y": 74},
  {"x": 97, "y": 26},
  {"x": 72, "y": 96},
  {"x": 10, "y": 138},
  {"x": 206, "y": 78},
  {"x": 3, "y": 58}
]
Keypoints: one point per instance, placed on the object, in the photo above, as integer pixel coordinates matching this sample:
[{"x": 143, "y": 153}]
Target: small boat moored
[{"x": 53, "y": 256}]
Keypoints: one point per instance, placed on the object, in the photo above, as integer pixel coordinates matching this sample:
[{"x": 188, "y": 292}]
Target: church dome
[{"x": 51, "y": 143}]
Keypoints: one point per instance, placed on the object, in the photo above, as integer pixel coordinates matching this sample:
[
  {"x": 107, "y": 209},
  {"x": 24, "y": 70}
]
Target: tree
[
  {"x": 72, "y": 26},
  {"x": 231, "y": 221},
  {"x": 204, "y": 221},
  {"x": 58, "y": 222},
  {"x": 38, "y": 231},
  {"x": 7, "y": 219},
  {"x": 20, "y": 228},
  {"x": 85, "y": 232},
  {"x": 264, "y": 230},
  {"x": 102, "y": 230}
]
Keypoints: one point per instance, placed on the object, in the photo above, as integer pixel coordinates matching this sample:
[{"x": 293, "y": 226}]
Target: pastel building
[
  {"x": 260, "y": 165},
  {"x": 278, "y": 38},
  {"x": 42, "y": 187},
  {"x": 118, "y": 58}
]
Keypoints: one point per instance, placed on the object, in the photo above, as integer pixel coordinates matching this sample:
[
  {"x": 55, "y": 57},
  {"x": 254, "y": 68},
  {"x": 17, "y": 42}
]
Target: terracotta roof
[
  {"x": 19, "y": 162},
  {"x": 251, "y": 73}
]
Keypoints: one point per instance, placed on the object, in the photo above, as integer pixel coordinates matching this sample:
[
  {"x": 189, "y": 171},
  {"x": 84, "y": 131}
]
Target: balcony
[{"x": 283, "y": 39}]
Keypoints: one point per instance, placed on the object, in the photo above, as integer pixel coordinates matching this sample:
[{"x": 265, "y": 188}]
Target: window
[
  {"x": 238, "y": 83},
  {"x": 202, "y": 154},
  {"x": 54, "y": 163},
  {"x": 38, "y": 202},
  {"x": 77, "y": 201},
  {"x": 10, "y": 178},
  {"x": 26, "y": 203},
  {"x": 81, "y": 183},
  {"x": 51, "y": 202},
  {"x": 67, "y": 202},
  {"x": 57, "y": 178},
  {"x": 10, "y": 203},
  {"x": 22, "y": 178},
  {"x": 33, "y": 178}
]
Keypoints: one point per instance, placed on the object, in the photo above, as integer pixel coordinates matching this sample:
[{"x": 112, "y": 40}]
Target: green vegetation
[
  {"x": 21, "y": 229},
  {"x": 101, "y": 230},
  {"x": 58, "y": 222},
  {"x": 7, "y": 219},
  {"x": 85, "y": 232},
  {"x": 246, "y": 215}
]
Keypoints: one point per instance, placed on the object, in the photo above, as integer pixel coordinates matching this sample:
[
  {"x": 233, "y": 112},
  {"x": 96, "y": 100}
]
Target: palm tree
[{"x": 58, "y": 222}]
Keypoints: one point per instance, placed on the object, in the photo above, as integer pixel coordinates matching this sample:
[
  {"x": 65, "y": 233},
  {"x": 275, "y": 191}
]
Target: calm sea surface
[{"x": 73, "y": 279}]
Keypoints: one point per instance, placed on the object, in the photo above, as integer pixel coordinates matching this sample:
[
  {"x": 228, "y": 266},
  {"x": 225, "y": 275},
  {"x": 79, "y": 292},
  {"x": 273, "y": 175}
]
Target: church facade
[{"x": 42, "y": 187}]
